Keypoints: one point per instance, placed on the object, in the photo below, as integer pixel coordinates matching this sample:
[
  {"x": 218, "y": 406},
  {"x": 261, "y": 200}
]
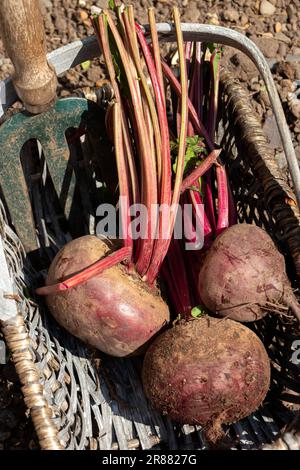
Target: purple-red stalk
[
  {"x": 122, "y": 255},
  {"x": 200, "y": 170},
  {"x": 160, "y": 253}
]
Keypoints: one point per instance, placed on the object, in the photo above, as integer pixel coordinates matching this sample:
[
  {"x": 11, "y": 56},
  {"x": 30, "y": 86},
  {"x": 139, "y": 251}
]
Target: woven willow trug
[{"x": 97, "y": 402}]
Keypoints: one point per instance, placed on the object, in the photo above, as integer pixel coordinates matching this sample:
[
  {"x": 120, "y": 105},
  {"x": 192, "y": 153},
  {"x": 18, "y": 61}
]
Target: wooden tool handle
[{"x": 23, "y": 35}]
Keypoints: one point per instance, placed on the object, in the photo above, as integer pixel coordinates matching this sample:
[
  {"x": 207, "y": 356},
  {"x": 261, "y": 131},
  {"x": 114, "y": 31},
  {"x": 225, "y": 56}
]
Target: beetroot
[
  {"x": 114, "y": 311},
  {"x": 208, "y": 372},
  {"x": 243, "y": 276}
]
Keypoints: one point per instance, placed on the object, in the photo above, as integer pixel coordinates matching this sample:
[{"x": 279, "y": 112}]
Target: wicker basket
[{"x": 82, "y": 400}]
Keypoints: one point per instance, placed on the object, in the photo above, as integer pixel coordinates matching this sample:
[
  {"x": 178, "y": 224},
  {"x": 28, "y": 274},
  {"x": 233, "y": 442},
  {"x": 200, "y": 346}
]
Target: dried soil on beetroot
[{"x": 210, "y": 359}]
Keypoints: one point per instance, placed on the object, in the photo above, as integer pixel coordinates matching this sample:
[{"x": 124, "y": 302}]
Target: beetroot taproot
[
  {"x": 113, "y": 311},
  {"x": 243, "y": 276},
  {"x": 207, "y": 371}
]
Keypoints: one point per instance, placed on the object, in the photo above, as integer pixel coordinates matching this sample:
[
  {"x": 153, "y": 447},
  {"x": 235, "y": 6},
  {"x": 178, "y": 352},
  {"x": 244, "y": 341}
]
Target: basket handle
[{"x": 23, "y": 36}]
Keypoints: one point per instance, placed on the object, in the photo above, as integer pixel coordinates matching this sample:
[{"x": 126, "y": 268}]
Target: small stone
[
  {"x": 82, "y": 3},
  {"x": 93, "y": 74},
  {"x": 288, "y": 84},
  {"x": 283, "y": 38},
  {"x": 255, "y": 87},
  {"x": 290, "y": 12},
  {"x": 244, "y": 19},
  {"x": 264, "y": 97},
  {"x": 258, "y": 109},
  {"x": 99, "y": 83},
  {"x": 294, "y": 105},
  {"x": 266, "y": 8},
  {"x": 95, "y": 10},
  {"x": 297, "y": 128},
  {"x": 83, "y": 15},
  {"x": 268, "y": 46},
  {"x": 47, "y": 4},
  {"x": 297, "y": 70},
  {"x": 283, "y": 93},
  {"x": 212, "y": 18},
  {"x": 282, "y": 51},
  {"x": 271, "y": 131},
  {"x": 277, "y": 27},
  {"x": 296, "y": 50},
  {"x": 248, "y": 69},
  {"x": 285, "y": 70},
  {"x": 231, "y": 15},
  {"x": 60, "y": 24},
  {"x": 192, "y": 12},
  {"x": 64, "y": 93}
]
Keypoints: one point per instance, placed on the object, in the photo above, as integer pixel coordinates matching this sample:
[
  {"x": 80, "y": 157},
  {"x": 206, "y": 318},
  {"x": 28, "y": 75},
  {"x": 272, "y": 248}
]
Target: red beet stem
[
  {"x": 223, "y": 203},
  {"x": 149, "y": 186},
  {"x": 223, "y": 209},
  {"x": 232, "y": 208},
  {"x": 102, "y": 36},
  {"x": 199, "y": 127},
  {"x": 123, "y": 176},
  {"x": 200, "y": 170},
  {"x": 156, "y": 50},
  {"x": 209, "y": 201},
  {"x": 214, "y": 92},
  {"x": 197, "y": 81},
  {"x": 165, "y": 194},
  {"x": 172, "y": 292},
  {"x": 159, "y": 254},
  {"x": 179, "y": 277},
  {"x": 188, "y": 47},
  {"x": 196, "y": 199},
  {"x": 121, "y": 255},
  {"x": 147, "y": 97}
]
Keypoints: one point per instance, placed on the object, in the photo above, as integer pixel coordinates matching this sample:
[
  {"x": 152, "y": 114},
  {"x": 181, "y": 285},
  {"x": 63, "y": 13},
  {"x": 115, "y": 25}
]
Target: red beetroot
[
  {"x": 207, "y": 372},
  {"x": 114, "y": 311},
  {"x": 243, "y": 275}
]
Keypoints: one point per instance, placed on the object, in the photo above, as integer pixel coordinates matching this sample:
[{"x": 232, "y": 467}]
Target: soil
[{"x": 273, "y": 25}]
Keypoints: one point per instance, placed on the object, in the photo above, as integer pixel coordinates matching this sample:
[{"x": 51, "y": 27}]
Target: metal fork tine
[{"x": 49, "y": 129}]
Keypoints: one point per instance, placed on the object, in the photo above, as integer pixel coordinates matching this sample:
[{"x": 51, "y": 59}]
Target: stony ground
[{"x": 273, "y": 25}]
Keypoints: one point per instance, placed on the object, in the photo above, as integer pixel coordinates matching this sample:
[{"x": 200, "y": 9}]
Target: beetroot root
[
  {"x": 243, "y": 275},
  {"x": 113, "y": 311},
  {"x": 208, "y": 372}
]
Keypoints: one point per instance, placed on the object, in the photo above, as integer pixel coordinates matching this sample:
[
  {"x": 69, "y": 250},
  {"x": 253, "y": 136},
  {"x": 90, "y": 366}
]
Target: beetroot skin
[
  {"x": 243, "y": 275},
  {"x": 113, "y": 311},
  {"x": 207, "y": 372}
]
